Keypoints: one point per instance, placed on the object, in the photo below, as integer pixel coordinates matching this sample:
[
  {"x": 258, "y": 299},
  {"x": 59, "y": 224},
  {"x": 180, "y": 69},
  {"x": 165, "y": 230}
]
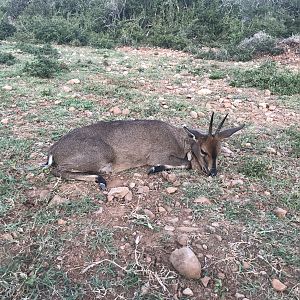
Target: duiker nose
[{"x": 213, "y": 172}]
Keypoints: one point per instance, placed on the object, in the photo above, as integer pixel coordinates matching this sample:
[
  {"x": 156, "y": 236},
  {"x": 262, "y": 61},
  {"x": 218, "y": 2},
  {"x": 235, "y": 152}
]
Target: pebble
[
  {"x": 66, "y": 89},
  {"x": 187, "y": 292},
  {"x": 204, "y": 92},
  {"x": 182, "y": 239},
  {"x": 171, "y": 177},
  {"x": 118, "y": 192},
  {"x": 280, "y": 212},
  {"x": 125, "y": 112},
  {"x": 5, "y": 121},
  {"x": 205, "y": 280},
  {"x": 149, "y": 213},
  {"x": 132, "y": 185},
  {"x": 278, "y": 285},
  {"x": 194, "y": 114},
  {"x": 171, "y": 190},
  {"x": 202, "y": 200},
  {"x": 267, "y": 93},
  {"x": 161, "y": 209},
  {"x": 239, "y": 296},
  {"x": 204, "y": 247},
  {"x": 61, "y": 222},
  {"x": 169, "y": 228},
  {"x": 186, "y": 263},
  {"x": 7, "y": 88},
  {"x": 221, "y": 275},
  {"x": 73, "y": 81},
  {"x": 116, "y": 110}
]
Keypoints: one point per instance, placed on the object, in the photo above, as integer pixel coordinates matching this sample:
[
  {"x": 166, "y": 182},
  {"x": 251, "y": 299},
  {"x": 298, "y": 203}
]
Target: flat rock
[
  {"x": 186, "y": 263},
  {"x": 169, "y": 228},
  {"x": 7, "y": 88},
  {"x": 204, "y": 92},
  {"x": 149, "y": 214},
  {"x": 118, "y": 192},
  {"x": 182, "y": 239},
  {"x": 66, "y": 89},
  {"x": 171, "y": 189},
  {"x": 278, "y": 285},
  {"x": 73, "y": 81},
  {"x": 5, "y": 121},
  {"x": 202, "y": 200}
]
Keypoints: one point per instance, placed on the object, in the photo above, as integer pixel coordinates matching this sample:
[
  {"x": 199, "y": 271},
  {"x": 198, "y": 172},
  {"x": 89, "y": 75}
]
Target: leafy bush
[
  {"x": 6, "y": 30},
  {"x": 294, "y": 137},
  {"x": 268, "y": 76},
  {"x": 254, "y": 167},
  {"x": 46, "y": 49},
  {"x": 43, "y": 67},
  {"x": 7, "y": 58}
]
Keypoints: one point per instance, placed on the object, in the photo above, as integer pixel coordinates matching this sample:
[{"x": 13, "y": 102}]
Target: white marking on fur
[
  {"x": 189, "y": 156},
  {"x": 175, "y": 167},
  {"x": 50, "y": 160}
]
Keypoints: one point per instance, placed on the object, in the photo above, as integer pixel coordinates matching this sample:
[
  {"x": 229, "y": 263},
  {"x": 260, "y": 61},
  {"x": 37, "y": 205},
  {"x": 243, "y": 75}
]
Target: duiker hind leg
[{"x": 171, "y": 162}]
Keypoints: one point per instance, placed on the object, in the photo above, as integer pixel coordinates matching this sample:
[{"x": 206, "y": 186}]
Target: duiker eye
[{"x": 203, "y": 152}]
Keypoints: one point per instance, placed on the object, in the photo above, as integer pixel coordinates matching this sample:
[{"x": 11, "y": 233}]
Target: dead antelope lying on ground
[{"x": 89, "y": 152}]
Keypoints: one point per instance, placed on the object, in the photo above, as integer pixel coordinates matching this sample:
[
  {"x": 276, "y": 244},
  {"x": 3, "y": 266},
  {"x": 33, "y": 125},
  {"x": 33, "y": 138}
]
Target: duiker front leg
[{"x": 172, "y": 162}]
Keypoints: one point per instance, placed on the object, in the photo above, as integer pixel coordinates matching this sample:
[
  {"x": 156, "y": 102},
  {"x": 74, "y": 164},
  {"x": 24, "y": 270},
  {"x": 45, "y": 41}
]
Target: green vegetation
[
  {"x": 269, "y": 76},
  {"x": 177, "y": 24},
  {"x": 7, "y": 58}
]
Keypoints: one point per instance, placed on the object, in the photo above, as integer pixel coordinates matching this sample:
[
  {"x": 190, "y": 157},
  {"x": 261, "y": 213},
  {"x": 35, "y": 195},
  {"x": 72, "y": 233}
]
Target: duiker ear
[
  {"x": 194, "y": 134},
  {"x": 229, "y": 132}
]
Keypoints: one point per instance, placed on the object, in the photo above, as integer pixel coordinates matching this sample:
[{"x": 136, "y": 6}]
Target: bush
[
  {"x": 102, "y": 41},
  {"x": 168, "y": 40},
  {"x": 7, "y": 58},
  {"x": 6, "y": 30},
  {"x": 257, "y": 45},
  {"x": 43, "y": 67},
  {"x": 268, "y": 76},
  {"x": 46, "y": 50}
]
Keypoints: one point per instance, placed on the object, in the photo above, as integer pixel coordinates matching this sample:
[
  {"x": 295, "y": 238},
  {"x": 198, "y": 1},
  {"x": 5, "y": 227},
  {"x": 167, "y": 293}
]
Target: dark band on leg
[
  {"x": 157, "y": 169},
  {"x": 101, "y": 182}
]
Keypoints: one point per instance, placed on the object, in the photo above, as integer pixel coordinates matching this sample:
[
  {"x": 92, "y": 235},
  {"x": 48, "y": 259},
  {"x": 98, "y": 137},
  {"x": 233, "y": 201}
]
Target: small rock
[
  {"x": 239, "y": 296},
  {"x": 149, "y": 214},
  {"x": 44, "y": 194},
  {"x": 263, "y": 105},
  {"x": 99, "y": 211},
  {"x": 161, "y": 209},
  {"x": 173, "y": 220},
  {"x": 171, "y": 177},
  {"x": 132, "y": 185},
  {"x": 66, "y": 89},
  {"x": 182, "y": 239},
  {"x": 267, "y": 93},
  {"x": 171, "y": 189},
  {"x": 205, "y": 280},
  {"x": 145, "y": 289},
  {"x": 73, "y": 81},
  {"x": 187, "y": 292},
  {"x": 204, "y": 247},
  {"x": 215, "y": 224},
  {"x": 57, "y": 102},
  {"x": 272, "y": 107},
  {"x": 128, "y": 196},
  {"x": 194, "y": 114},
  {"x": 169, "y": 228},
  {"x": 204, "y": 92},
  {"x": 118, "y": 192},
  {"x": 57, "y": 200},
  {"x": 72, "y": 108},
  {"x": 221, "y": 275},
  {"x": 176, "y": 183},
  {"x": 7, "y": 237},
  {"x": 280, "y": 212},
  {"x": 7, "y": 88},
  {"x": 116, "y": 110},
  {"x": 187, "y": 229},
  {"x": 236, "y": 182},
  {"x": 186, "y": 263},
  {"x": 227, "y": 151},
  {"x": 278, "y": 285},
  {"x": 125, "y": 112},
  {"x": 202, "y": 200},
  {"x": 218, "y": 237},
  {"x": 5, "y": 121},
  {"x": 271, "y": 150},
  {"x": 61, "y": 222},
  {"x": 143, "y": 190},
  {"x": 246, "y": 265}
]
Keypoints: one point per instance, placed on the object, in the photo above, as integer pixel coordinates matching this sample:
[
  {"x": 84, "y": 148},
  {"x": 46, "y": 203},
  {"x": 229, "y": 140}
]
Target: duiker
[{"x": 87, "y": 153}]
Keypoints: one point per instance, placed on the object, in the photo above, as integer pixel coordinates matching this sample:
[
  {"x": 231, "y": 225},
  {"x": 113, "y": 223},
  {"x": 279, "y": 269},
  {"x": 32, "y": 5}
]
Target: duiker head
[{"x": 207, "y": 147}]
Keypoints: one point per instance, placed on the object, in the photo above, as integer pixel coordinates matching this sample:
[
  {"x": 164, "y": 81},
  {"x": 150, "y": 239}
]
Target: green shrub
[
  {"x": 102, "y": 41},
  {"x": 294, "y": 137},
  {"x": 268, "y": 76},
  {"x": 7, "y": 58},
  {"x": 6, "y": 30},
  {"x": 43, "y": 67},
  {"x": 217, "y": 74},
  {"x": 46, "y": 49}
]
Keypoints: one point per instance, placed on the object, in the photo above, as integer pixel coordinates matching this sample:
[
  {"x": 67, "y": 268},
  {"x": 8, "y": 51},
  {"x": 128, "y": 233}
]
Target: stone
[
  {"x": 186, "y": 263},
  {"x": 182, "y": 239},
  {"x": 161, "y": 209},
  {"x": 187, "y": 229},
  {"x": 202, "y": 200},
  {"x": 118, "y": 192},
  {"x": 5, "y": 121},
  {"x": 267, "y": 93},
  {"x": 73, "y": 81},
  {"x": 194, "y": 114},
  {"x": 205, "y": 280},
  {"x": 171, "y": 177},
  {"x": 132, "y": 185},
  {"x": 125, "y": 112},
  {"x": 171, "y": 189},
  {"x": 187, "y": 292},
  {"x": 278, "y": 285},
  {"x": 143, "y": 189},
  {"x": 271, "y": 150},
  {"x": 128, "y": 196},
  {"x": 7, "y": 237},
  {"x": 61, "y": 222},
  {"x": 116, "y": 110},
  {"x": 7, "y": 88},
  {"x": 226, "y": 151},
  {"x": 204, "y": 92},
  {"x": 66, "y": 89},
  {"x": 57, "y": 200},
  {"x": 246, "y": 265},
  {"x": 239, "y": 296},
  {"x": 221, "y": 275},
  {"x": 169, "y": 228},
  {"x": 149, "y": 214},
  {"x": 280, "y": 212},
  {"x": 72, "y": 108},
  {"x": 115, "y": 182}
]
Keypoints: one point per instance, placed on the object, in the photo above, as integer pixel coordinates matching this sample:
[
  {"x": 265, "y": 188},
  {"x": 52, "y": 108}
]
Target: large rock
[
  {"x": 186, "y": 263},
  {"x": 117, "y": 192}
]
